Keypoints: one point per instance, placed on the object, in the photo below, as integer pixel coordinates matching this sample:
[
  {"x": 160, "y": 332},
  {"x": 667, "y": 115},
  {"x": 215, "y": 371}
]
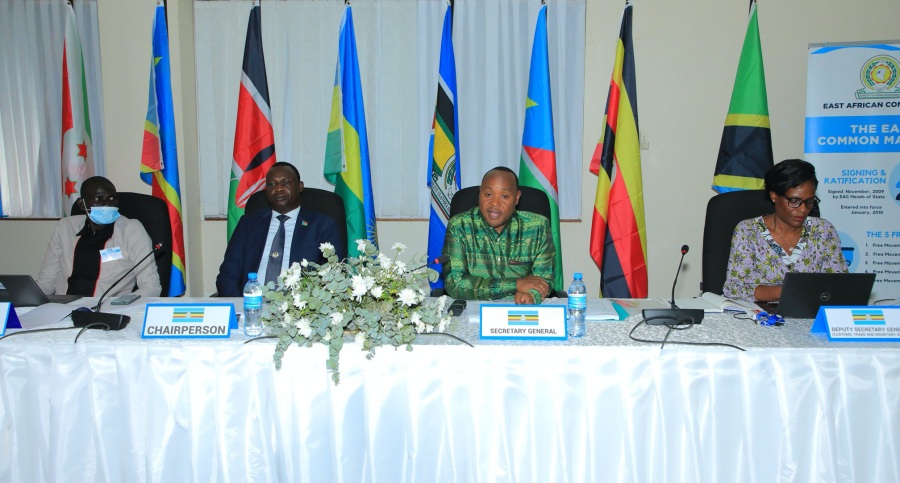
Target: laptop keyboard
[{"x": 63, "y": 299}]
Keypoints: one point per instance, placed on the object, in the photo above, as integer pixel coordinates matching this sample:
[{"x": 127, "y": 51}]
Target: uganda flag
[
  {"x": 537, "y": 164},
  {"x": 254, "y": 138},
  {"x": 347, "y": 145},
  {"x": 618, "y": 232},
  {"x": 443, "y": 156},
  {"x": 745, "y": 153}
]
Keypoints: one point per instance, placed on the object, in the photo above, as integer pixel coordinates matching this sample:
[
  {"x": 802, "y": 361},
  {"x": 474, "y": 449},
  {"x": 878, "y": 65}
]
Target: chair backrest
[
  {"x": 723, "y": 212},
  {"x": 321, "y": 201},
  {"x": 532, "y": 199},
  {"x": 153, "y": 213}
]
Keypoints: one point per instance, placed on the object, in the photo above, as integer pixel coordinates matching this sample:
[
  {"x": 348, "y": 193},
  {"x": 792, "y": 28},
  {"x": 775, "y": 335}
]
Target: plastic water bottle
[
  {"x": 577, "y": 305},
  {"x": 252, "y": 306}
]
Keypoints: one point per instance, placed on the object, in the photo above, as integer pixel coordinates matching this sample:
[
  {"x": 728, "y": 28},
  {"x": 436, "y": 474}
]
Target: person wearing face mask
[
  {"x": 497, "y": 252},
  {"x": 764, "y": 248},
  {"x": 88, "y": 253}
]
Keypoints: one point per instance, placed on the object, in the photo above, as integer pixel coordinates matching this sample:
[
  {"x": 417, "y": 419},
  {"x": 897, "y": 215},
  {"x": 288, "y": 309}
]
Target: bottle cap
[
  {"x": 251, "y": 276},
  {"x": 577, "y": 275}
]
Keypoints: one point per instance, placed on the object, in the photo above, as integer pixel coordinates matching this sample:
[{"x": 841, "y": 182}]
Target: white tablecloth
[{"x": 117, "y": 408}]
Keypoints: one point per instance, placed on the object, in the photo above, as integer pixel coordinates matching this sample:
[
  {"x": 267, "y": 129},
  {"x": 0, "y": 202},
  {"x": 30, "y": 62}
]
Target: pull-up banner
[{"x": 853, "y": 139}]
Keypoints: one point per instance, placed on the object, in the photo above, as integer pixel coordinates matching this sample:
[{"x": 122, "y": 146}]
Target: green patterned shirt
[{"x": 484, "y": 264}]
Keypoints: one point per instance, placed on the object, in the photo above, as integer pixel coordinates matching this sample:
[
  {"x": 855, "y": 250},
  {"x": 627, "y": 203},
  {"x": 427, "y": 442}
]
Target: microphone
[
  {"x": 684, "y": 250},
  {"x": 439, "y": 260},
  {"x": 83, "y": 318},
  {"x": 673, "y": 315}
]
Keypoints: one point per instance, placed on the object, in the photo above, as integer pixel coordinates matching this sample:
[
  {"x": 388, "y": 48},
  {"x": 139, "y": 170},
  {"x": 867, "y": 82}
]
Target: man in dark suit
[{"x": 261, "y": 238}]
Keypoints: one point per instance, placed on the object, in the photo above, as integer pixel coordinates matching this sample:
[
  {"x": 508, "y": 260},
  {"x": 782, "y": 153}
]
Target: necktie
[{"x": 275, "y": 256}]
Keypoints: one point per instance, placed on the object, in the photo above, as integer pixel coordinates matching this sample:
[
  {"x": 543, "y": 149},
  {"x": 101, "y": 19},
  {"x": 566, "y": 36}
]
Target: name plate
[
  {"x": 8, "y": 317},
  {"x": 188, "y": 321},
  {"x": 864, "y": 323},
  {"x": 524, "y": 322}
]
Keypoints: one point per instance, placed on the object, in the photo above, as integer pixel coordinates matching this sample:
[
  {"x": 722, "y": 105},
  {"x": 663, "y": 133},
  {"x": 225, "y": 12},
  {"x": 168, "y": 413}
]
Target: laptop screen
[
  {"x": 803, "y": 293},
  {"x": 21, "y": 290}
]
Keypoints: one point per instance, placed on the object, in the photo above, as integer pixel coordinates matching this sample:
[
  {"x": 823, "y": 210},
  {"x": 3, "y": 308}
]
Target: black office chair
[
  {"x": 532, "y": 199},
  {"x": 321, "y": 201},
  {"x": 723, "y": 212},
  {"x": 153, "y": 213}
]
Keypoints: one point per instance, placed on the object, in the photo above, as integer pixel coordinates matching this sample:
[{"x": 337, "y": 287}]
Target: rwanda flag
[
  {"x": 746, "y": 150},
  {"x": 159, "y": 156},
  {"x": 347, "y": 146},
  {"x": 443, "y": 156},
  {"x": 254, "y": 138},
  {"x": 537, "y": 165},
  {"x": 618, "y": 232}
]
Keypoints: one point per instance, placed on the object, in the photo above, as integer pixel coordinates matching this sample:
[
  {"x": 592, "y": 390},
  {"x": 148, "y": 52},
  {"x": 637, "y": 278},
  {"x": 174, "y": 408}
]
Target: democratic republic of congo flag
[
  {"x": 443, "y": 155},
  {"x": 254, "y": 139},
  {"x": 77, "y": 157},
  {"x": 745, "y": 153},
  {"x": 537, "y": 165},
  {"x": 347, "y": 146},
  {"x": 159, "y": 156},
  {"x": 618, "y": 233}
]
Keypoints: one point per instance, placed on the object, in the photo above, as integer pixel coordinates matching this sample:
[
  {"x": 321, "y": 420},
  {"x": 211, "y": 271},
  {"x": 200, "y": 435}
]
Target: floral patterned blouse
[{"x": 756, "y": 259}]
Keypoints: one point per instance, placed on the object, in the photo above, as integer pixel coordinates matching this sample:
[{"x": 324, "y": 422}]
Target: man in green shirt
[{"x": 497, "y": 252}]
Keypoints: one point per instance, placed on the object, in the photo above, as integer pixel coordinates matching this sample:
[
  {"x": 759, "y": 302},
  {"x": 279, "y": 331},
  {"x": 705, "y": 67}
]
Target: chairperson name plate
[
  {"x": 528, "y": 322},
  {"x": 189, "y": 321},
  {"x": 864, "y": 323}
]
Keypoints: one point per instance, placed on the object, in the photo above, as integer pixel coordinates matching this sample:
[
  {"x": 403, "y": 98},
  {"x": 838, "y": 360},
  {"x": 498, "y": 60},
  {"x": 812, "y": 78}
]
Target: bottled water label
[
  {"x": 252, "y": 302},
  {"x": 577, "y": 301}
]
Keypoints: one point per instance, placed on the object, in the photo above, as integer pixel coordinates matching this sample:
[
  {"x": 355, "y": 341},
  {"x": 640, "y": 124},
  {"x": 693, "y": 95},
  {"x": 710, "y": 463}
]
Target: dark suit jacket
[{"x": 249, "y": 239}]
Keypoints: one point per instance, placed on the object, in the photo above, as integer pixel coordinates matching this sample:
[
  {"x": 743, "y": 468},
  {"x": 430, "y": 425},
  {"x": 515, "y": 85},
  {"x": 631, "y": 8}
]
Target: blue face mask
[{"x": 103, "y": 215}]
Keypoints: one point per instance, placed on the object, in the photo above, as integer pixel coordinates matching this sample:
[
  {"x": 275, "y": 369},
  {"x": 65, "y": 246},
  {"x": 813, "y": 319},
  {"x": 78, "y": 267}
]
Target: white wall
[{"x": 686, "y": 56}]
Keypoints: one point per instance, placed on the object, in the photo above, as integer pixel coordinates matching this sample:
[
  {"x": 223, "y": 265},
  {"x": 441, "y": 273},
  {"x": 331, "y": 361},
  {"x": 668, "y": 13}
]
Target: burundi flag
[
  {"x": 443, "y": 156},
  {"x": 745, "y": 153},
  {"x": 537, "y": 165},
  {"x": 77, "y": 162},
  {"x": 254, "y": 139},
  {"x": 159, "y": 156},
  {"x": 618, "y": 233},
  {"x": 347, "y": 146}
]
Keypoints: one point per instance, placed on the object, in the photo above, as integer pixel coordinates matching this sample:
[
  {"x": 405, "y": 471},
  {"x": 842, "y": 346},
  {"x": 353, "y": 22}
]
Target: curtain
[
  {"x": 31, "y": 42},
  {"x": 399, "y": 45}
]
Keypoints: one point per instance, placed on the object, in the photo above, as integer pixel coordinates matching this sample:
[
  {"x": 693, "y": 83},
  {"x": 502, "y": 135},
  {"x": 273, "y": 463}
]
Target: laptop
[
  {"x": 803, "y": 293},
  {"x": 22, "y": 291}
]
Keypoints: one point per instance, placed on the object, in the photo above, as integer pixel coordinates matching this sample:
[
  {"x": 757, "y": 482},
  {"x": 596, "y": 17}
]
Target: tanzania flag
[
  {"x": 537, "y": 165},
  {"x": 254, "y": 139},
  {"x": 443, "y": 156},
  {"x": 159, "y": 156},
  {"x": 618, "y": 233},
  {"x": 746, "y": 150},
  {"x": 347, "y": 146},
  {"x": 77, "y": 159}
]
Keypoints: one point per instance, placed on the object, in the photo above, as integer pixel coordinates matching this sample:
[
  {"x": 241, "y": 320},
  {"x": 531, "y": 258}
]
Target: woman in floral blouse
[{"x": 763, "y": 249}]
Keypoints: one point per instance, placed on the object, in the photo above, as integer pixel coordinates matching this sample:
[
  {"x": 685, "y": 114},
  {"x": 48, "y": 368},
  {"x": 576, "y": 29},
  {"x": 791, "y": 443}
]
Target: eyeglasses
[
  {"x": 796, "y": 202},
  {"x": 285, "y": 183}
]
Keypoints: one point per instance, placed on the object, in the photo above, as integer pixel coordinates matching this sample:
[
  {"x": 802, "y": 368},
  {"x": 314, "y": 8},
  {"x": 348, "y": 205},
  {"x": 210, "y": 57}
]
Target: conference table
[{"x": 115, "y": 407}]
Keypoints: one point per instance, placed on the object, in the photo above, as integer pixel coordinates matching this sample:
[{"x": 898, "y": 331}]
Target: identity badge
[{"x": 110, "y": 254}]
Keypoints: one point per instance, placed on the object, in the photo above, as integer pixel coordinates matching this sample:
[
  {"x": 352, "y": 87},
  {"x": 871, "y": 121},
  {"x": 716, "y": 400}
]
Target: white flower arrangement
[{"x": 374, "y": 295}]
